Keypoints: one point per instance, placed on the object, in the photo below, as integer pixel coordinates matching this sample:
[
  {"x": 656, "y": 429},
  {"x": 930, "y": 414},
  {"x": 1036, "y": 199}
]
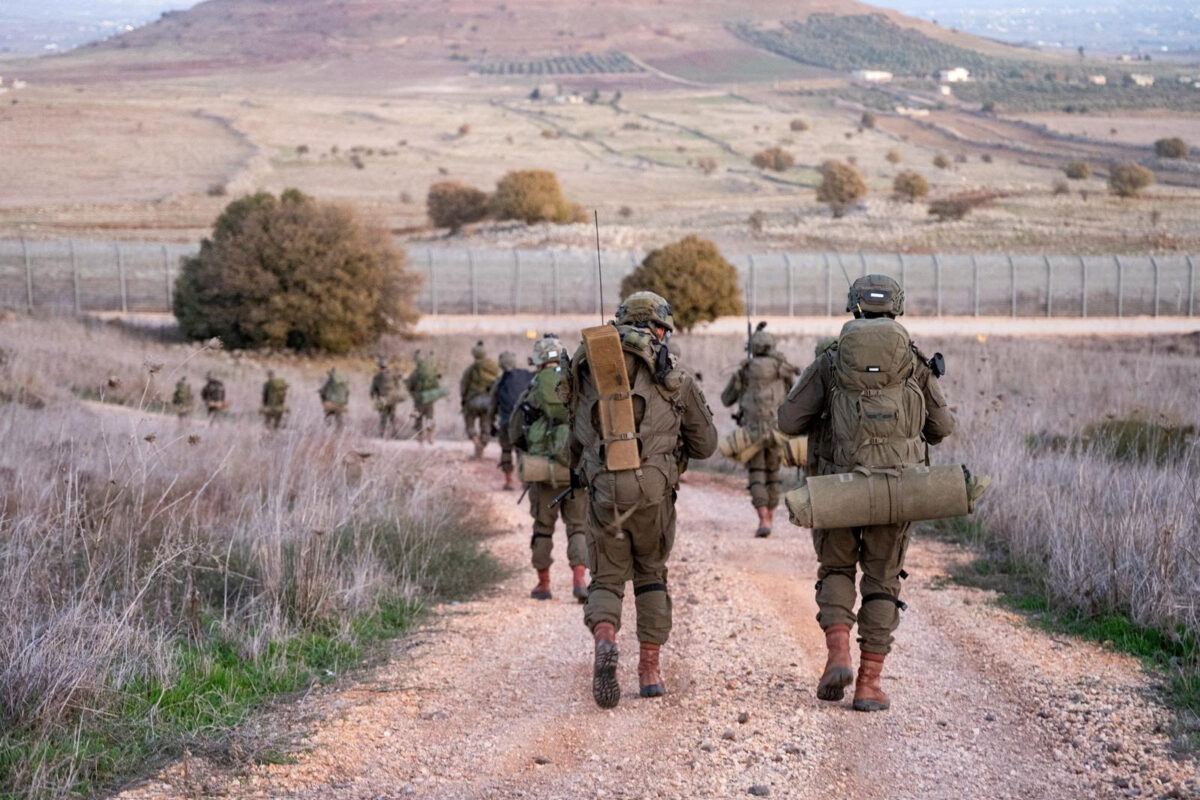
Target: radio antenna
[{"x": 599, "y": 267}]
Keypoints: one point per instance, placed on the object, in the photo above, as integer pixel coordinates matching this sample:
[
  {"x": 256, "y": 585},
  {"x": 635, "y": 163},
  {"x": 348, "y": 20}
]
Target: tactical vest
[
  {"x": 876, "y": 406},
  {"x": 658, "y": 408},
  {"x": 480, "y": 377},
  {"x": 336, "y": 392},
  {"x": 547, "y": 435},
  {"x": 275, "y": 393},
  {"x": 763, "y": 392},
  {"x": 385, "y": 386}
]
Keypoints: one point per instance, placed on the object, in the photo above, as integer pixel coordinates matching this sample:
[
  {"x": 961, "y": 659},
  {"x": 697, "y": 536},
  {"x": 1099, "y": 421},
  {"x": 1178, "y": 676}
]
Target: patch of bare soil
[{"x": 491, "y": 698}]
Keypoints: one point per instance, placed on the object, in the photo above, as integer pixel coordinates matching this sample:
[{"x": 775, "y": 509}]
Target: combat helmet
[
  {"x": 641, "y": 308},
  {"x": 478, "y": 350},
  {"x": 761, "y": 342},
  {"x": 877, "y": 294},
  {"x": 546, "y": 349},
  {"x": 508, "y": 360}
]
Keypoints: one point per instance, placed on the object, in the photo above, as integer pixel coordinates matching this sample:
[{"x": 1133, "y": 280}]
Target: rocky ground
[{"x": 491, "y": 698}]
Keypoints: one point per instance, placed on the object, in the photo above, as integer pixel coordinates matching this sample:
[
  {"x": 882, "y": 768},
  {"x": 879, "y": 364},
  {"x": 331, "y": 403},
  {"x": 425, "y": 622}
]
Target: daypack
[
  {"x": 876, "y": 406},
  {"x": 479, "y": 378},
  {"x": 547, "y": 435},
  {"x": 424, "y": 377},
  {"x": 335, "y": 391},
  {"x": 275, "y": 393},
  {"x": 763, "y": 391}
]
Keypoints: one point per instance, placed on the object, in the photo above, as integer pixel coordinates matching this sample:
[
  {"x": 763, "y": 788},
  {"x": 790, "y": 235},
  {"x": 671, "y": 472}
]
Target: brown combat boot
[
  {"x": 579, "y": 584},
  {"x": 839, "y": 672},
  {"x": 868, "y": 694},
  {"x": 764, "y": 522},
  {"x": 508, "y": 483},
  {"x": 648, "y": 677},
  {"x": 542, "y": 590},
  {"x": 478, "y": 444},
  {"x": 605, "y": 689}
]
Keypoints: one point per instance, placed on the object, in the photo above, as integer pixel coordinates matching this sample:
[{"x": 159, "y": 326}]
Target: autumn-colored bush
[
  {"x": 1126, "y": 180},
  {"x": 941, "y": 161},
  {"x": 893, "y": 157},
  {"x": 1078, "y": 170},
  {"x": 775, "y": 158},
  {"x": 695, "y": 279},
  {"x": 1172, "y": 147},
  {"x": 868, "y": 120},
  {"x": 910, "y": 186},
  {"x": 451, "y": 204},
  {"x": 294, "y": 272},
  {"x": 798, "y": 125},
  {"x": 841, "y": 186},
  {"x": 533, "y": 195}
]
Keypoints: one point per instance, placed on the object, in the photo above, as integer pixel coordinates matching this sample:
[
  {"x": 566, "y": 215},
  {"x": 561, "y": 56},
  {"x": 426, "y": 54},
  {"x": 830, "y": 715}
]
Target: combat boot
[
  {"x": 478, "y": 448},
  {"x": 868, "y": 694},
  {"x": 839, "y": 672},
  {"x": 764, "y": 522},
  {"x": 648, "y": 677},
  {"x": 542, "y": 590},
  {"x": 605, "y": 689},
  {"x": 579, "y": 586},
  {"x": 508, "y": 483}
]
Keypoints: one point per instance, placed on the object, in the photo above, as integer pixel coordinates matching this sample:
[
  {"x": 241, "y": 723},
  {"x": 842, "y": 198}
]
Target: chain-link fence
[{"x": 80, "y": 276}]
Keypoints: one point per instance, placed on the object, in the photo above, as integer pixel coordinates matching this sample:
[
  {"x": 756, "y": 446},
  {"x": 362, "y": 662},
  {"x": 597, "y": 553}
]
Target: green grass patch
[{"x": 1126, "y": 439}]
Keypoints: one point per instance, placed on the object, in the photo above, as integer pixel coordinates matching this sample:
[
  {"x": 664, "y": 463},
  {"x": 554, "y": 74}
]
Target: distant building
[
  {"x": 945, "y": 91},
  {"x": 1125, "y": 57},
  {"x": 907, "y": 111},
  {"x": 1098, "y": 80},
  {"x": 872, "y": 75},
  {"x": 1139, "y": 79},
  {"x": 955, "y": 75}
]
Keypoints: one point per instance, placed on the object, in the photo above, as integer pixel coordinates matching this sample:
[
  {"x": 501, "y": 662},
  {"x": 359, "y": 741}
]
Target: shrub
[
  {"x": 533, "y": 195},
  {"x": 625, "y": 212},
  {"x": 941, "y": 162},
  {"x": 910, "y": 186},
  {"x": 1126, "y": 180},
  {"x": 893, "y": 157},
  {"x": 1078, "y": 170},
  {"x": 707, "y": 164},
  {"x": 950, "y": 208},
  {"x": 1173, "y": 147},
  {"x": 757, "y": 220},
  {"x": 868, "y": 120},
  {"x": 841, "y": 186},
  {"x": 798, "y": 125},
  {"x": 986, "y": 158},
  {"x": 695, "y": 279},
  {"x": 451, "y": 204},
  {"x": 216, "y": 190},
  {"x": 988, "y": 107},
  {"x": 464, "y": 129},
  {"x": 294, "y": 272},
  {"x": 1060, "y": 188},
  {"x": 775, "y": 158}
]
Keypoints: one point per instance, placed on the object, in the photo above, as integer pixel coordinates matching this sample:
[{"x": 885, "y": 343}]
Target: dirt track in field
[{"x": 491, "y": 698}]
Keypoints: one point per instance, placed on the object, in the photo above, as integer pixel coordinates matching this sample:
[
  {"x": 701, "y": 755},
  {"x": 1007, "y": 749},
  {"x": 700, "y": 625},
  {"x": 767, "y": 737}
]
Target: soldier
[
  {"x": 387, "y": 392},
  {"x": 539, "y": 428},
  {"x": 882, "y": 406},
  {"x": 631, "y": 512},
  {"x": 475, "y": 391},
  {"x": 424, "y": 384},
  {"x": 274, "y": 400},
  {"x": 758, "y": 387},
  {"x": 213, "y": 395},
  {"x": 181, "y": 400},
  {"x": 335, "y": 397},
  {"x": 505, "y": 392}
]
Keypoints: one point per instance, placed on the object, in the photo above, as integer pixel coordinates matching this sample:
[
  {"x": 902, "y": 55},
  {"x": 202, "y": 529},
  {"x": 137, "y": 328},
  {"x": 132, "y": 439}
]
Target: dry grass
[{"x": 159, "y": 577}]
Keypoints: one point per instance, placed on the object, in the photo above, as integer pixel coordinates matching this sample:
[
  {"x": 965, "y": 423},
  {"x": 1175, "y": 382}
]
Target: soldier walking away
[
  {"x": 883, "y": 406},
  {"x": 506, "y": 391},
  {"x": 424, "y": 384},
  {"x": 387, "y": 392},
  {"x": 274, "y": 400},
  {"x": 631, "y": 512},
  {"x": 475, "y": 391},
  {"x": 213, "y": 395},
  {"x": 335, "y": 397},
  {"x": 181, "y": 400},
  {"x": 758, "y": 387},
  {"x": 539, "y": 428}
]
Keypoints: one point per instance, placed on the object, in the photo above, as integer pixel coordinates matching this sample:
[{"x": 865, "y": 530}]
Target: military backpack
[{"x": 547, "y": 433}]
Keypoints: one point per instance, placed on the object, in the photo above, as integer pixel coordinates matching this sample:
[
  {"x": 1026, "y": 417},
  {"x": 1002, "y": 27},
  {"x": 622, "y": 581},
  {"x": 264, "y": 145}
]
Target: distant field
[
  {"x": 589, "y": 64},
  {"x": 1141, "y": 129},
  {"x": 735, "y": 65}
]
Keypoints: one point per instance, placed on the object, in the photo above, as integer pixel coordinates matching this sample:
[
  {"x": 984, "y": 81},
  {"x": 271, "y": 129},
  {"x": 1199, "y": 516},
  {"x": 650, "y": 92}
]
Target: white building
[
  {"x": 1139, "y": 79},
  {"x": 872, "y": 75},
  {"x": 955, "y": 75},
  {"x": 1098, "y": 80}
]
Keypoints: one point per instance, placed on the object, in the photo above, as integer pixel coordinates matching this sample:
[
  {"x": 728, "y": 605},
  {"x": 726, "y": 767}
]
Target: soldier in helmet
[
  {"x": 506, "y": 391},
  {"x": 539, "y": 428},
  {"x": 387, "y": 392},
  {"x": 424, "y": 384},
  {"x": 475, "y": 392},
  {"x": 876, "y": 398},
  {"x": 631, "y": 512},
  {"x": 758, "y": 387},
  {"x": 213, "y": 395},
  {"x": 274, "y": 400},
  {"x": 335, "y": 397},
  {"x": 181, "y": 400}
]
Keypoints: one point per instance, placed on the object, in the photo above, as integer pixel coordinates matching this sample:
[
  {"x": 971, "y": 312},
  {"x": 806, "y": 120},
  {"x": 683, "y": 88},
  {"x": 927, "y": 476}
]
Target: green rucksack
[
  {"x": 425, "y": 376},
  {"x": 876, "y": 406},
  {"x": 547, "y": 435},
  {"x": 480, "y": 377},
  {"x": 275, "y": 393}
]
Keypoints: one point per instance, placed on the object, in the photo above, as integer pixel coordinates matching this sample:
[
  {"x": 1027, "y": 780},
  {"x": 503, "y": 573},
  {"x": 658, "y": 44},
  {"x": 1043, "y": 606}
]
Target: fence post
[
  {"x": 791, "y": 283},
  {"x": 167, "y": 274},
  {"x": 937, "y": 282},
  {"x": 903, "y": 267},
  {"x": 1012, "y": 283},
  {"x": 554, "y": 280},
  {"x": 121, "y": 278},
  {"x": 828, "y": 286},
  {"x": 1154, "y": 263},
  {"x": 1049, "y": 286},
  {"x": 28, "y": 274},
  {"x": 433, "y": 296},
  {"x": 75, "y": 277},
  {"x": 753, "y": 285},
  {"x": 862, "y": 257},
  {"x": 1191, "y": 286},
  {"x": 974, "y": 285},
  {"x": 1083, "y": 284},
  {"x": 1120, "y": 286},
  {"x": 516, "y": 293}
]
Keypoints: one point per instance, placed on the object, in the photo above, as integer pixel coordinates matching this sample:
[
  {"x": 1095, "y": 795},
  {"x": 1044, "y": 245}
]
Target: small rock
[
  {"x": 989, "y": 717},
  {"x": 706, "y": 747},
  {"x": 793, "y": 750},
  {"x": 743, "y": 717},
  {"x": 729, "y": 734},
  {"x": 760, "y": 790},
  {"x": 541, "y": 760}
]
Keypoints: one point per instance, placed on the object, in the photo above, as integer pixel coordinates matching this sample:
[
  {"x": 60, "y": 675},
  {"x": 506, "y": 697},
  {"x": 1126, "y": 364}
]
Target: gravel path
[{"x": 491, "y": 699}]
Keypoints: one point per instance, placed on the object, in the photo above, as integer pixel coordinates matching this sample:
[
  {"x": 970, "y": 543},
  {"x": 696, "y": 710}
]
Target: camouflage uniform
[
  {"x": 879, "y": 550},
  {"x": 475, "y": 392},
  {"x": 335, "y": 397},
  {"x": 758, "y": 387},
  {"x": 631, "y": 513},
  {"x": 274, "y": 400},
  {"x": 424, "y": 385},
  {"x": 181, "y": 400},
  {"x": 387, "y": 392},
  {"x": 505, "y": 394},
  {"x": 213, "y": 395}
]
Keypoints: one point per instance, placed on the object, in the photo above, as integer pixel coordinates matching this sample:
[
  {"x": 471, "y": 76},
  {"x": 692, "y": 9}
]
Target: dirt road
[{"x": 491, "y": 699}]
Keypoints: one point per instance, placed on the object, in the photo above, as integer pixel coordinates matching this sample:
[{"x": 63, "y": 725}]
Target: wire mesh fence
[{"x": 82, "y": 275}]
